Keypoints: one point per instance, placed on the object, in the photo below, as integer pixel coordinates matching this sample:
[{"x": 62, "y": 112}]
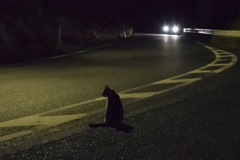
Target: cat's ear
[{"x": 106, "y": 87}]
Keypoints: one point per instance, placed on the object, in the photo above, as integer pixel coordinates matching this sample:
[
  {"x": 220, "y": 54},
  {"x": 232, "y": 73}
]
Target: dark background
[
  {"x": 29, "y": 29},
  {"x": 144, "y": 15},
  {"x": 150, "y": 15}
]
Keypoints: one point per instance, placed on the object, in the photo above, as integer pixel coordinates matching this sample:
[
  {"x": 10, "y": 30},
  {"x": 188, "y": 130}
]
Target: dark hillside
[{"x": 36, "y": 29}]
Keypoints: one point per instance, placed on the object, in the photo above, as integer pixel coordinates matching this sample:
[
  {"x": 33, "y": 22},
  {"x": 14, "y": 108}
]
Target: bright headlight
[
  {"x": 175, "y": 29},
  {"x": 165, "y": 28}
]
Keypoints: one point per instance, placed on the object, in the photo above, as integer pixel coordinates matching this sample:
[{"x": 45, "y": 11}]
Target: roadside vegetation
[{"x": 33, "y": 29}]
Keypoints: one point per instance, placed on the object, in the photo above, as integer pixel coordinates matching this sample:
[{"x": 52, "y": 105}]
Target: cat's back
[
  {"x": 114, "y": 108},
  {"x": 114, "y": 98}
]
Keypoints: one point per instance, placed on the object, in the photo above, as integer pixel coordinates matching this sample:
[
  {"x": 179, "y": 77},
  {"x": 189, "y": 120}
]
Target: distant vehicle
[{"x": 171, "y": 30}]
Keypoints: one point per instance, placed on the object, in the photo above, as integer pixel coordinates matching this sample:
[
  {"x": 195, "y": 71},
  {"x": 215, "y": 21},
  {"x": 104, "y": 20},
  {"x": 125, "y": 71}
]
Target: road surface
[{"x": 179, "y": 95}]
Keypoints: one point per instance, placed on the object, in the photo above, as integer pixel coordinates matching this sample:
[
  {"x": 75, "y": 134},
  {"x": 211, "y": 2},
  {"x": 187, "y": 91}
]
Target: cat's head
[{"x": 107, "y": 91}]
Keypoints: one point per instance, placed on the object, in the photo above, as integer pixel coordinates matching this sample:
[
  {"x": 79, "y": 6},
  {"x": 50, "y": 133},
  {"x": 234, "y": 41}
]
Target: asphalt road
[{"x": 194, "y": 120}]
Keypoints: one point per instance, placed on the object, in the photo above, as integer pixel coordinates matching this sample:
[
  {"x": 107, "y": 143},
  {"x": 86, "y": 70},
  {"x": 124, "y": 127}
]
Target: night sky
[
  {"x": 144, "y": 15},
  {"x": 151, "y": 15}
]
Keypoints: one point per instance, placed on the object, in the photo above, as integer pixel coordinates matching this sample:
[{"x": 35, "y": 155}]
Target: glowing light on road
[
  {"x": 175, "y": 29},
  {"x": 165, "y": 28}
]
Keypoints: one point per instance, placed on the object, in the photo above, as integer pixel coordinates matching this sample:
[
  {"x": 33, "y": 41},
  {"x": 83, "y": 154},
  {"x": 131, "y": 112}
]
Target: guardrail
[{"x": 225, "y": 33}]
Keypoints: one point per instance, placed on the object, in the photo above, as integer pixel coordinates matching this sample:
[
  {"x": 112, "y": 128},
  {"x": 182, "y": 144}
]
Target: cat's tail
[
  {"x": 96, "y": 125},
  {"x": 123, "y": 127},
  {"x": 120, "y": 127}
]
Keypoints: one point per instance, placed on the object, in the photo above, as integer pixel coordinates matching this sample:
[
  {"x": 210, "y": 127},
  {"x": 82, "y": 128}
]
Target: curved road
[
  {"x": 56, "y": 98},
  {"x": 40, "y": 86}
]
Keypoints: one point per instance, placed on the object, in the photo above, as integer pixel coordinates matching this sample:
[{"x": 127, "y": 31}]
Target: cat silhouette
[
  {"x": 113, "y": 113},
  {"x": 114, "y": 110}
]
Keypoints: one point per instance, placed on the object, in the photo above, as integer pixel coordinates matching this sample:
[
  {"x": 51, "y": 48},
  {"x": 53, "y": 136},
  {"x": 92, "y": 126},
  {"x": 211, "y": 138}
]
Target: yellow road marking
[
  {"x": 201, "y": 71},
  {"x": 137, "y": 95},
  {"x": 227, "y": 56},
  {"x": 177, "y": 80},
  {"x": 15, "y": 135},
  {"x": 70, "y": 106},
  {"x": 43, "y": 122},
  {"x": 40, "y": 123}
]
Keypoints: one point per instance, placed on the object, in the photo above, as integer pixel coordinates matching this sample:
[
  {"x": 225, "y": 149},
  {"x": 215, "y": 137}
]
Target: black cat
[
  {"x": 114, "y": 112},
  {"x": 114, "y": 109}
]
